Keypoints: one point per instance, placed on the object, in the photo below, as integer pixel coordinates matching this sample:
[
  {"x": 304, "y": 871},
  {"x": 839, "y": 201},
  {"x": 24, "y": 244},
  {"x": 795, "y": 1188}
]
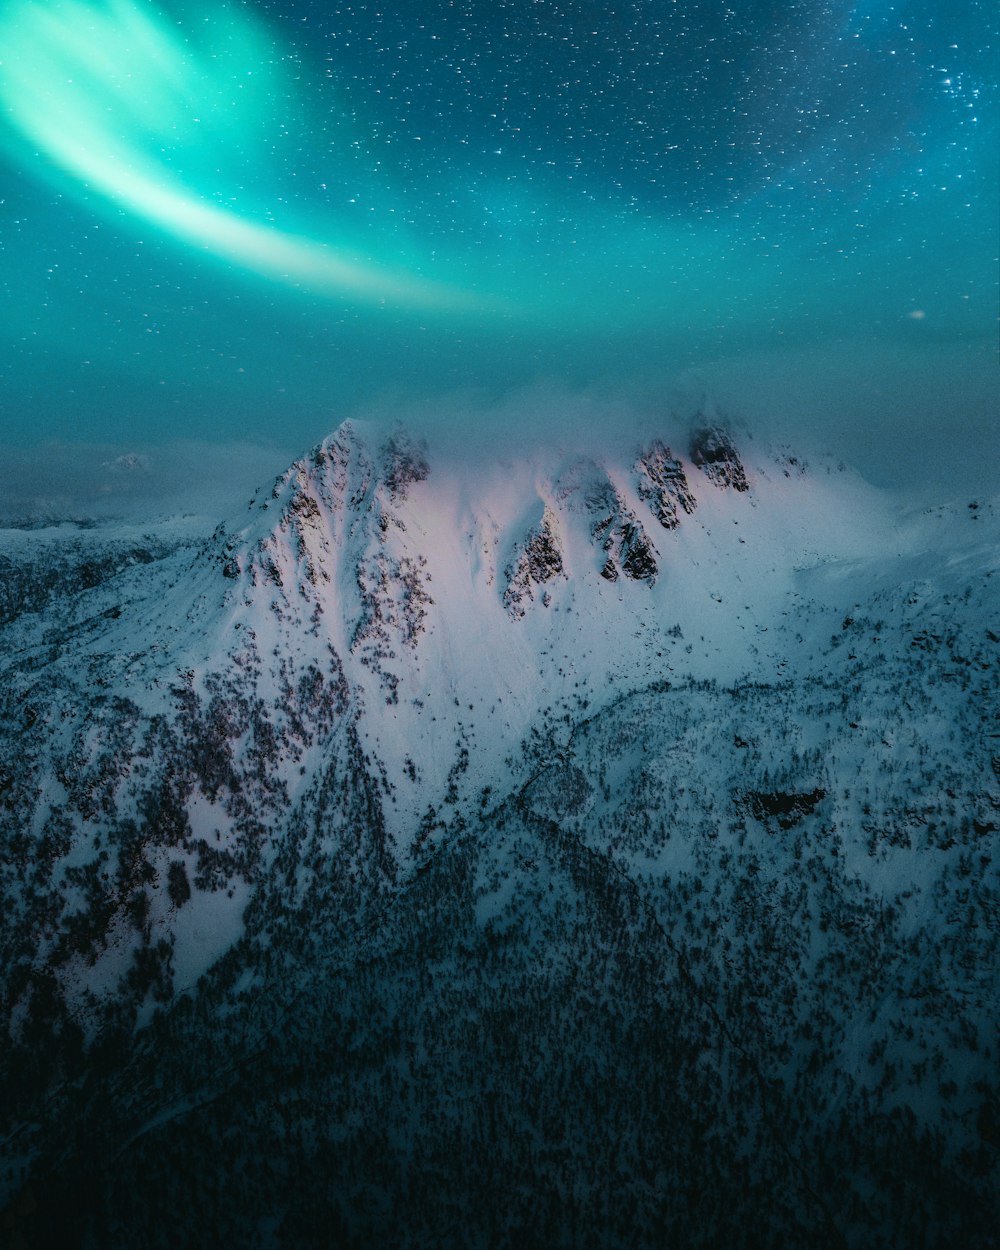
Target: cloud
[
  {"x": 86, "y": 481},
  {"x": 921, "y": 417},
  {"x": 918, "y": 415}
]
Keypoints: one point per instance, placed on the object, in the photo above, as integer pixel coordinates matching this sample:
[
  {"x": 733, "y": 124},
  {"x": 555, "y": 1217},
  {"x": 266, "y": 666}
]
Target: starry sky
[{"x": 246, "y": 221}]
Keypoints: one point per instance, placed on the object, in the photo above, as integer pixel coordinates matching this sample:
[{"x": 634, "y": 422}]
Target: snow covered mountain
[{"x": 570, "y": 850}]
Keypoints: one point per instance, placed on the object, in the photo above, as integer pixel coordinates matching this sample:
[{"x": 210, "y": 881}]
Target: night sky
[{"x": 247, "y": 221}]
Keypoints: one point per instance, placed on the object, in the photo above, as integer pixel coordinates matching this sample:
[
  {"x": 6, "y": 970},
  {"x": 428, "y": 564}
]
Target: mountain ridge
[{"x": 227, "y": 773}]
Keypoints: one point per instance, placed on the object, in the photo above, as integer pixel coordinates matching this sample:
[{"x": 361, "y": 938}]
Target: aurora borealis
[
  {"x": 252, "y": 219},
  {"x": 110, "y": 96}
]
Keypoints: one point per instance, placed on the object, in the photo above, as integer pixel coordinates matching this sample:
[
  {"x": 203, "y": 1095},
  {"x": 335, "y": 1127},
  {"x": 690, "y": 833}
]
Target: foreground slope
[{"x": 575, "y": 851}]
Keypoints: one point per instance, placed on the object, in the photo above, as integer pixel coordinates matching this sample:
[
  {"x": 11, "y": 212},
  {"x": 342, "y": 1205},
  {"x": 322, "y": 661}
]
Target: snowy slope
[{"x": 726, "y": 719}]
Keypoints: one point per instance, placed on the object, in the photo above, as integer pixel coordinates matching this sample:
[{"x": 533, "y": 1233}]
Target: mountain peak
[{"x": 447, "y": 737}]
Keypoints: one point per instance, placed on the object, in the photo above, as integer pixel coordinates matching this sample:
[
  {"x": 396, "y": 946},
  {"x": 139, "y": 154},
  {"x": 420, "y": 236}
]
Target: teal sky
[{"x": 247, "y": 221}]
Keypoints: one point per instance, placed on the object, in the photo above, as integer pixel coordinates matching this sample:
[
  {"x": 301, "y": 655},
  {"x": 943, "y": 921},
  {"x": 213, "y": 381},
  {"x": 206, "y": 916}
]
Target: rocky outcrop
[
  {"x": 538, "y": 561},
  {"x": 787, "y": 808},
  {"x": 619, "y": 533},
  {"x": 636, "y": 553},
  {"x": 404, "y": 463},
  {"x": 713, "y": 452},
  {"x": 663, "y": 484}
]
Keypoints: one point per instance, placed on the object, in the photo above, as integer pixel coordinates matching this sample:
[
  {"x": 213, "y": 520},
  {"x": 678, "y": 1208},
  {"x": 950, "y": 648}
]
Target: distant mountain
[{"x": 566, "y": 851}]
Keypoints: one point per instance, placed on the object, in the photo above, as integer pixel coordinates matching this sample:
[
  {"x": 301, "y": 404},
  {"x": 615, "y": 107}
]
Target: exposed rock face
[
  {"x": 619, "y": 532},
  {"x": 338, "y": 509},
  {"x": 788, "y": 809},
  {"x": 404, "y": 462},
  {"x": 636, "y": 553},
  {"x": 663, "y": 484},
  {"x": 713, "y": 452},
  {"x": 538, "y": 562}
]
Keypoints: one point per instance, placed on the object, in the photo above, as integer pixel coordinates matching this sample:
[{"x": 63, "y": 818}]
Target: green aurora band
[
  {"x": 176, "y": 118},
  {"x": 164, "y": 117},
  {"x": 110, "y": 93}
]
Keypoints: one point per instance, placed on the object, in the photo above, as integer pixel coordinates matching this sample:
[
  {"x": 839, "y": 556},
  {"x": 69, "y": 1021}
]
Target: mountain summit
[{"x": 573, "y": 850}]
